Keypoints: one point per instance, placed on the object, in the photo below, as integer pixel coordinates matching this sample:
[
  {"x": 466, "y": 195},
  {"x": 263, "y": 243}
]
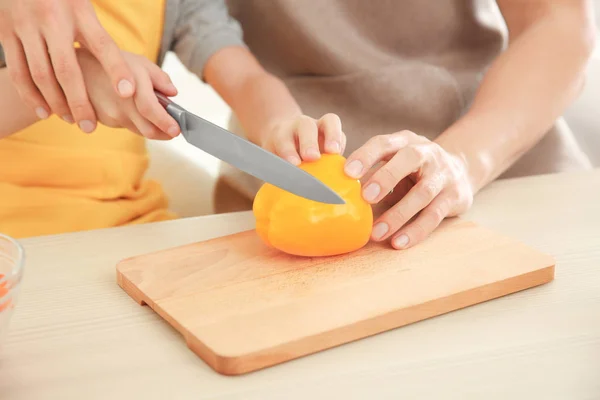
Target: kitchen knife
[{"x": 247, "y": 156}]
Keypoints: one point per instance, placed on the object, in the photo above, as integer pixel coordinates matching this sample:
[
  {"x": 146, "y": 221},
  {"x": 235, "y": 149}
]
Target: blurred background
[{"x": 187, "y": 174}]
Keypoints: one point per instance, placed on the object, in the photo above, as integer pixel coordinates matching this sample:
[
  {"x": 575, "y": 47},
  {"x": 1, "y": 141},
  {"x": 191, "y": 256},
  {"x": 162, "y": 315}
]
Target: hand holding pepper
[{"x": 433, "y": 183}]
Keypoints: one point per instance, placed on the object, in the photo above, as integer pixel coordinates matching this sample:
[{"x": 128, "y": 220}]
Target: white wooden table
[{"x": 77, "y": 335}]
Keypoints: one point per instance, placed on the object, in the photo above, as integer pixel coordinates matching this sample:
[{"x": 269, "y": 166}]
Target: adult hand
[
  {"x": 304, "y": 138},
  {"x": 433, "y": 184},
  {"x": 38, "y": 38}
]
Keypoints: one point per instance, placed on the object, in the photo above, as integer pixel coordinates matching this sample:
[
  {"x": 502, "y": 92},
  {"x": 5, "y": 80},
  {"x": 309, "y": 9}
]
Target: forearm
[
  {"x": 14, "y": 114},
  {"x": 258, "y": 99},
  {"x": 525, "y": 90}
]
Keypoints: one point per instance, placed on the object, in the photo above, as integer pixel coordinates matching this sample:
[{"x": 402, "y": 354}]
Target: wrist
[
  {"x": 466, "y": 141},
  {"x": 474, "y": 166}
]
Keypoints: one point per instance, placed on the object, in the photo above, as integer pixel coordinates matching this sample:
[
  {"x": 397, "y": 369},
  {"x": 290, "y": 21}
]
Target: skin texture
[
  {"x": 112, "y": 109},
  {"x": 307, "y": 228},
  {"x": 38, "y": 37}
]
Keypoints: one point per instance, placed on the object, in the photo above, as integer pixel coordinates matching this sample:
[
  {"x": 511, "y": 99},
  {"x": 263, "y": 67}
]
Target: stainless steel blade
[{"x": 249, "y": 157}]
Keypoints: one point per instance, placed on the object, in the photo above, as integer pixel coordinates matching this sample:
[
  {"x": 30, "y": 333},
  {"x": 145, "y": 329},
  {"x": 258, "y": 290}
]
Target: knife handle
[{"x": 174, "y": 110}]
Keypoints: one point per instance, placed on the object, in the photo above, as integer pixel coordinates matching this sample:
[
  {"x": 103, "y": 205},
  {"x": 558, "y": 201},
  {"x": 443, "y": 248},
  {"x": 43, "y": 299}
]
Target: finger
[
  {"x": 160, "y": 79},
  {"x": 399, "y": 191},
  {"x": 150, "y": 109},
  {"x": 427, "y": 221},
  {"x": 102, "y": 46},
  {"x": 42, "y": 73},
  {"x": 21, "y": 78},
  {"x": 285, "y": 147},
  {"x": 330, "y": 128},
  {"x": 146, "y": 128},
  {"x": 376, "y": 149},
  {"x": 308, "y": 138},
  {"x": 403, "y": 163},
  {"x": 69, "y": 76},
  {"x": 418, "y": 197},
  {"x": 154, "y": 78}
]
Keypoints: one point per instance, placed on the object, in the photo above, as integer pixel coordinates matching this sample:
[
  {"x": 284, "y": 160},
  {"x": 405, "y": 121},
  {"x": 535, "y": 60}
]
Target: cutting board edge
[
  {"x": 130, "y": 288},
  {"x": 195, "y": 345},
  {"x": 289, "y": 351},
  {"x": 142, "y": 299}
]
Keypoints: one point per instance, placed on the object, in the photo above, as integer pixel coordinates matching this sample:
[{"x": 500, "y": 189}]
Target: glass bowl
[{"x": 11, "y": 272}]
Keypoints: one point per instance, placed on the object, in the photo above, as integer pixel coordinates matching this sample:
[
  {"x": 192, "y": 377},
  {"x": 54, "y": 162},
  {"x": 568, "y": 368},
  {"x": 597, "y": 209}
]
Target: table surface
[{"x": 76, "y": 335}]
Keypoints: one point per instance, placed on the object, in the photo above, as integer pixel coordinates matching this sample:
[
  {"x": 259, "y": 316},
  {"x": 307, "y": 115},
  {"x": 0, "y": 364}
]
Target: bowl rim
[{"x": 17, "y": 270}]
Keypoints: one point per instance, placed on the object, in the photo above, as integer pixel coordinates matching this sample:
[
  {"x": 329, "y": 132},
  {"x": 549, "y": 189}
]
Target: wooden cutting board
[{"x": 242, "y": 306}]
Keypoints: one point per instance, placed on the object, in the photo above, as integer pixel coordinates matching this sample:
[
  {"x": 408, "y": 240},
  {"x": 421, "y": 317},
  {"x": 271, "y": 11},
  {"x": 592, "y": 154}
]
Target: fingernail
[
  {"x": 313, "y": 153},
  {"x": 173, "y": 130},
  {"x": 371, "y": 192},
  {"x": 332, "y": 147},
  {"x": 379, "y": 230},
  {"x": 173, "y": 88},
  {"x": 68, "y": 119},
  {"x": 354, "y": 169},
  {"x": 86, "y": 126},
  {"x": 125, "y": 88},
  {"x": 293, "y": 160},
  {"x": 401, "y": 241},
  {"x": 41, "y": 113}
]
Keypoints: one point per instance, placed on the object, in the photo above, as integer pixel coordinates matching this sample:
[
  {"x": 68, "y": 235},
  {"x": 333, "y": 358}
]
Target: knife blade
[{"x": 247, "y": 156}]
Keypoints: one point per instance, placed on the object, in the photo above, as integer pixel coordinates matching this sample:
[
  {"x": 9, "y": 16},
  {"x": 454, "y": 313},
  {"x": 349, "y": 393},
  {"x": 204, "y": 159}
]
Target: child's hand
[
  {"x": 304, "y": 138},
  {"x": 142, "y": 113}
]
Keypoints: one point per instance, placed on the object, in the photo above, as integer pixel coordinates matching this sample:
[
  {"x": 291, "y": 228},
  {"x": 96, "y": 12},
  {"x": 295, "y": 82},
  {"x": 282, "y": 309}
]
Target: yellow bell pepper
[{"x": 304, "y": 227}]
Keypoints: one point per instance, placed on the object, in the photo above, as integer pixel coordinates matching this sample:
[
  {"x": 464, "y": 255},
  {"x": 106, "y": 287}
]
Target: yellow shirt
[{"x": 55, "y": 178}]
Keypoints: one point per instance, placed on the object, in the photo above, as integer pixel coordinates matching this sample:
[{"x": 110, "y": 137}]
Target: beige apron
[{"x": 382, "y": 66}]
